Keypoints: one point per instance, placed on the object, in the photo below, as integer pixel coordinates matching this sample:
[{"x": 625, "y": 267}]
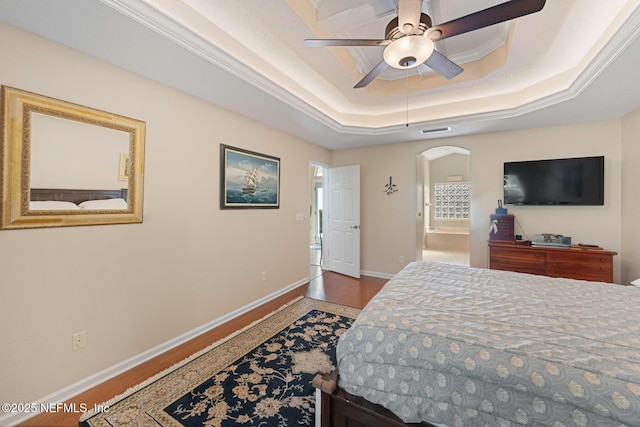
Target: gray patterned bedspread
[{"x": 474, "y": 347}]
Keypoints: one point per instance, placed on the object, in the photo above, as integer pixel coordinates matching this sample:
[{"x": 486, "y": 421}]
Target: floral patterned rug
[{"x": 260, "y": 376}]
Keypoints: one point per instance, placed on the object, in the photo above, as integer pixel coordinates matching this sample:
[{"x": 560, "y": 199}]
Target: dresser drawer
[
  {"x": 523, "y": 257},
  {"x": 584, "y": 266},
  {"x": 573, "y": 263},
  {"x": 522, "y": 261}
]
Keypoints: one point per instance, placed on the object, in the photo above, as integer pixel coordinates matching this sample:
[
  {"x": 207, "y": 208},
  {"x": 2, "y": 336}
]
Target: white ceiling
[{"x": 576, "y": 60}]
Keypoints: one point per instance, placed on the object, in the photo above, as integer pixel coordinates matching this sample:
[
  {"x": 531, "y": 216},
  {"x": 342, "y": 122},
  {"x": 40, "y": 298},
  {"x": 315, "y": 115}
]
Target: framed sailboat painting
[{"x": 248, "y": 180}]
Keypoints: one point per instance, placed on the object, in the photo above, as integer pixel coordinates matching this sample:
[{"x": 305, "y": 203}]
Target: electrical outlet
[
  {"x": 264, "y": 276},
  {"x": 79, "y": 340},
  {"x": 400, "y": 259}
]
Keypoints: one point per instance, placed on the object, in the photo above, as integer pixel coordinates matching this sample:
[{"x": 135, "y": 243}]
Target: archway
[{"x": 444, "y": 203}]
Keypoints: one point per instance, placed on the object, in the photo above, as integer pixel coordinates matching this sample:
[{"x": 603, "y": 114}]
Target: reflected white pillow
[
  {"x": 104, "y": 204},
  {"x": 52, "y": 205}
]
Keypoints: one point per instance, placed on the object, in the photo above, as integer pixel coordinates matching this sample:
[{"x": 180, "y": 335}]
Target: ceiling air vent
[{"x": 436, "y": 130}]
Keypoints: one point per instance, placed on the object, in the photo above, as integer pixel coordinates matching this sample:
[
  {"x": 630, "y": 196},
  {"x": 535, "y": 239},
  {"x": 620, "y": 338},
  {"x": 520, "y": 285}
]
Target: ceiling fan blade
[
  {"x": 484, "y": 18},
  {"x": 344, "y": 42},
  {"x": 443, "y": 65},
  {"x": 377, "y": 70},
  {"x": 409, "y": 15}
]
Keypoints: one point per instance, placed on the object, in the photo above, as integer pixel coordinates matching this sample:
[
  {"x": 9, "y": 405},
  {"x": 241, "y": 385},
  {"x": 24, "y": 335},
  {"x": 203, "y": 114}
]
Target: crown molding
[{"x": 154, "y": 19}]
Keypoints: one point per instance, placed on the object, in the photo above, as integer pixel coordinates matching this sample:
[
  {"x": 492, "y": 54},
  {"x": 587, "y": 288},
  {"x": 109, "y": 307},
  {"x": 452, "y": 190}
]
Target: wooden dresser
[{"x": 573, "y": 263}]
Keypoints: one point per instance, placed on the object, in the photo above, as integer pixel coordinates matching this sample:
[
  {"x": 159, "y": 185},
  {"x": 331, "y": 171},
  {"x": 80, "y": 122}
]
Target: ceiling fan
[{"x": 410, "y": 37}]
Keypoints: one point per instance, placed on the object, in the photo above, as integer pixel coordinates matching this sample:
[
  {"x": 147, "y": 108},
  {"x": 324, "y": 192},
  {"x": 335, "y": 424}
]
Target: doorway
[
  {"x": 316, "y": 195},
  {"x": 443, "y": 231},
  {"x": 334, "y": 220}
]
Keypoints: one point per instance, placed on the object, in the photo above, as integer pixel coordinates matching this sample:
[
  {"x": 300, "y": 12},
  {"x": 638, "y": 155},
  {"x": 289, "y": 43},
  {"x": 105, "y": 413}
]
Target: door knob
[{"x": 355, "y": 226}]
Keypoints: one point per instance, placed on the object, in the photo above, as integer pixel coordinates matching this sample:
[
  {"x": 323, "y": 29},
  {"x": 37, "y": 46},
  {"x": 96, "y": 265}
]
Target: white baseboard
[
  {"x": 376, "y": 274},
  {"x": 64, "y": 394}
]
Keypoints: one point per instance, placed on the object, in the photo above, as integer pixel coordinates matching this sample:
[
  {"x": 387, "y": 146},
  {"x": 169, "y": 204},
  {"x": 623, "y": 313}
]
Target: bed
[
  {"x": 451, "y": 345},
  {"x": 74, "y": 199}
]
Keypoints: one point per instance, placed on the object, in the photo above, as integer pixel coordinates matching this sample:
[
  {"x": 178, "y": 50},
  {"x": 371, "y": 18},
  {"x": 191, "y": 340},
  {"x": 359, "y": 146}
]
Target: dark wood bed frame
[
  {"x": 341, "y": 409},
  {"x": 76, "y": 196}
]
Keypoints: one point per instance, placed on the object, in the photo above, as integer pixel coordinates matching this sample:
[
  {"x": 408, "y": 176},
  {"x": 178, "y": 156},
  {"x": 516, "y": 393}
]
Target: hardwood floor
[{"x": 329, "y": 286}]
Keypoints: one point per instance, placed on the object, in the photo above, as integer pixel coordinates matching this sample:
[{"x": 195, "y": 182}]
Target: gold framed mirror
[{"x": 65, "y": 164}]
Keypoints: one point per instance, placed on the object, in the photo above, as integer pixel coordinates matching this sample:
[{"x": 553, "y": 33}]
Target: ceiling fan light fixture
[
  {"x": 408, "y": 52},
  {"x": 409, "y": 38}
]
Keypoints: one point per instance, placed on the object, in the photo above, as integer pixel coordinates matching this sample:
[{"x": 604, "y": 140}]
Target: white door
[{"x": 342, "y": 219}]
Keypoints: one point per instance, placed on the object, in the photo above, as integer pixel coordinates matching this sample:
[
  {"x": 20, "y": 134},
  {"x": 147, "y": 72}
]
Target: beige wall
[
  {"x": 133, "y": 287},
  {"x": 389, "y": 222},
  {"x": 630, "y": 196}
]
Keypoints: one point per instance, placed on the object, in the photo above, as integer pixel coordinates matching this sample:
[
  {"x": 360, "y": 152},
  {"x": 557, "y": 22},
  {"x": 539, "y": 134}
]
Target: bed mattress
[{"x": 465, "y": 346}]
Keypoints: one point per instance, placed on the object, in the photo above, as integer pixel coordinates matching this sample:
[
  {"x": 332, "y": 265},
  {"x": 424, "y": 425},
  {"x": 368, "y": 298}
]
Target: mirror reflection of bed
[
  {"x": 57, "y": 199},
  {"x": 68, "y": 164}
]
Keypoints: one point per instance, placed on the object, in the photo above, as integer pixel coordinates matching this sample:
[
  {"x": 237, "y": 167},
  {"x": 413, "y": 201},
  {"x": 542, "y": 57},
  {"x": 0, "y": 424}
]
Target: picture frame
[
  {"x": 124, "y": 167},
  {"x": 248, "y": 180}
]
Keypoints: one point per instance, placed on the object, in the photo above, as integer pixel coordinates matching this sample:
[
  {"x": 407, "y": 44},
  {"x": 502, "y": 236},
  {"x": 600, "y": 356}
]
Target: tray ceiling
[{"x": 573, "y": 61}]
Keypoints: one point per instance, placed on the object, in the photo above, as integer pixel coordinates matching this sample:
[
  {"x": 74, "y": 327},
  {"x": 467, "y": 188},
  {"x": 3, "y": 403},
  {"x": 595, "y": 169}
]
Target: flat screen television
[{"x": 576, "y": 181}]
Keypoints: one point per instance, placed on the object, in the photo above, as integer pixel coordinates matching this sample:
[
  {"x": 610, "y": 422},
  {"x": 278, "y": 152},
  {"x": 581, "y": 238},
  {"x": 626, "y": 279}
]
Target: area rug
[{"x": 259, "y": 376}]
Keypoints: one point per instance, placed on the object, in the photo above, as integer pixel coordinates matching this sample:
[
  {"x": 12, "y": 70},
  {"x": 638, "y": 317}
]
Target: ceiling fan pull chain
[{"x": 407, "y": 98}]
